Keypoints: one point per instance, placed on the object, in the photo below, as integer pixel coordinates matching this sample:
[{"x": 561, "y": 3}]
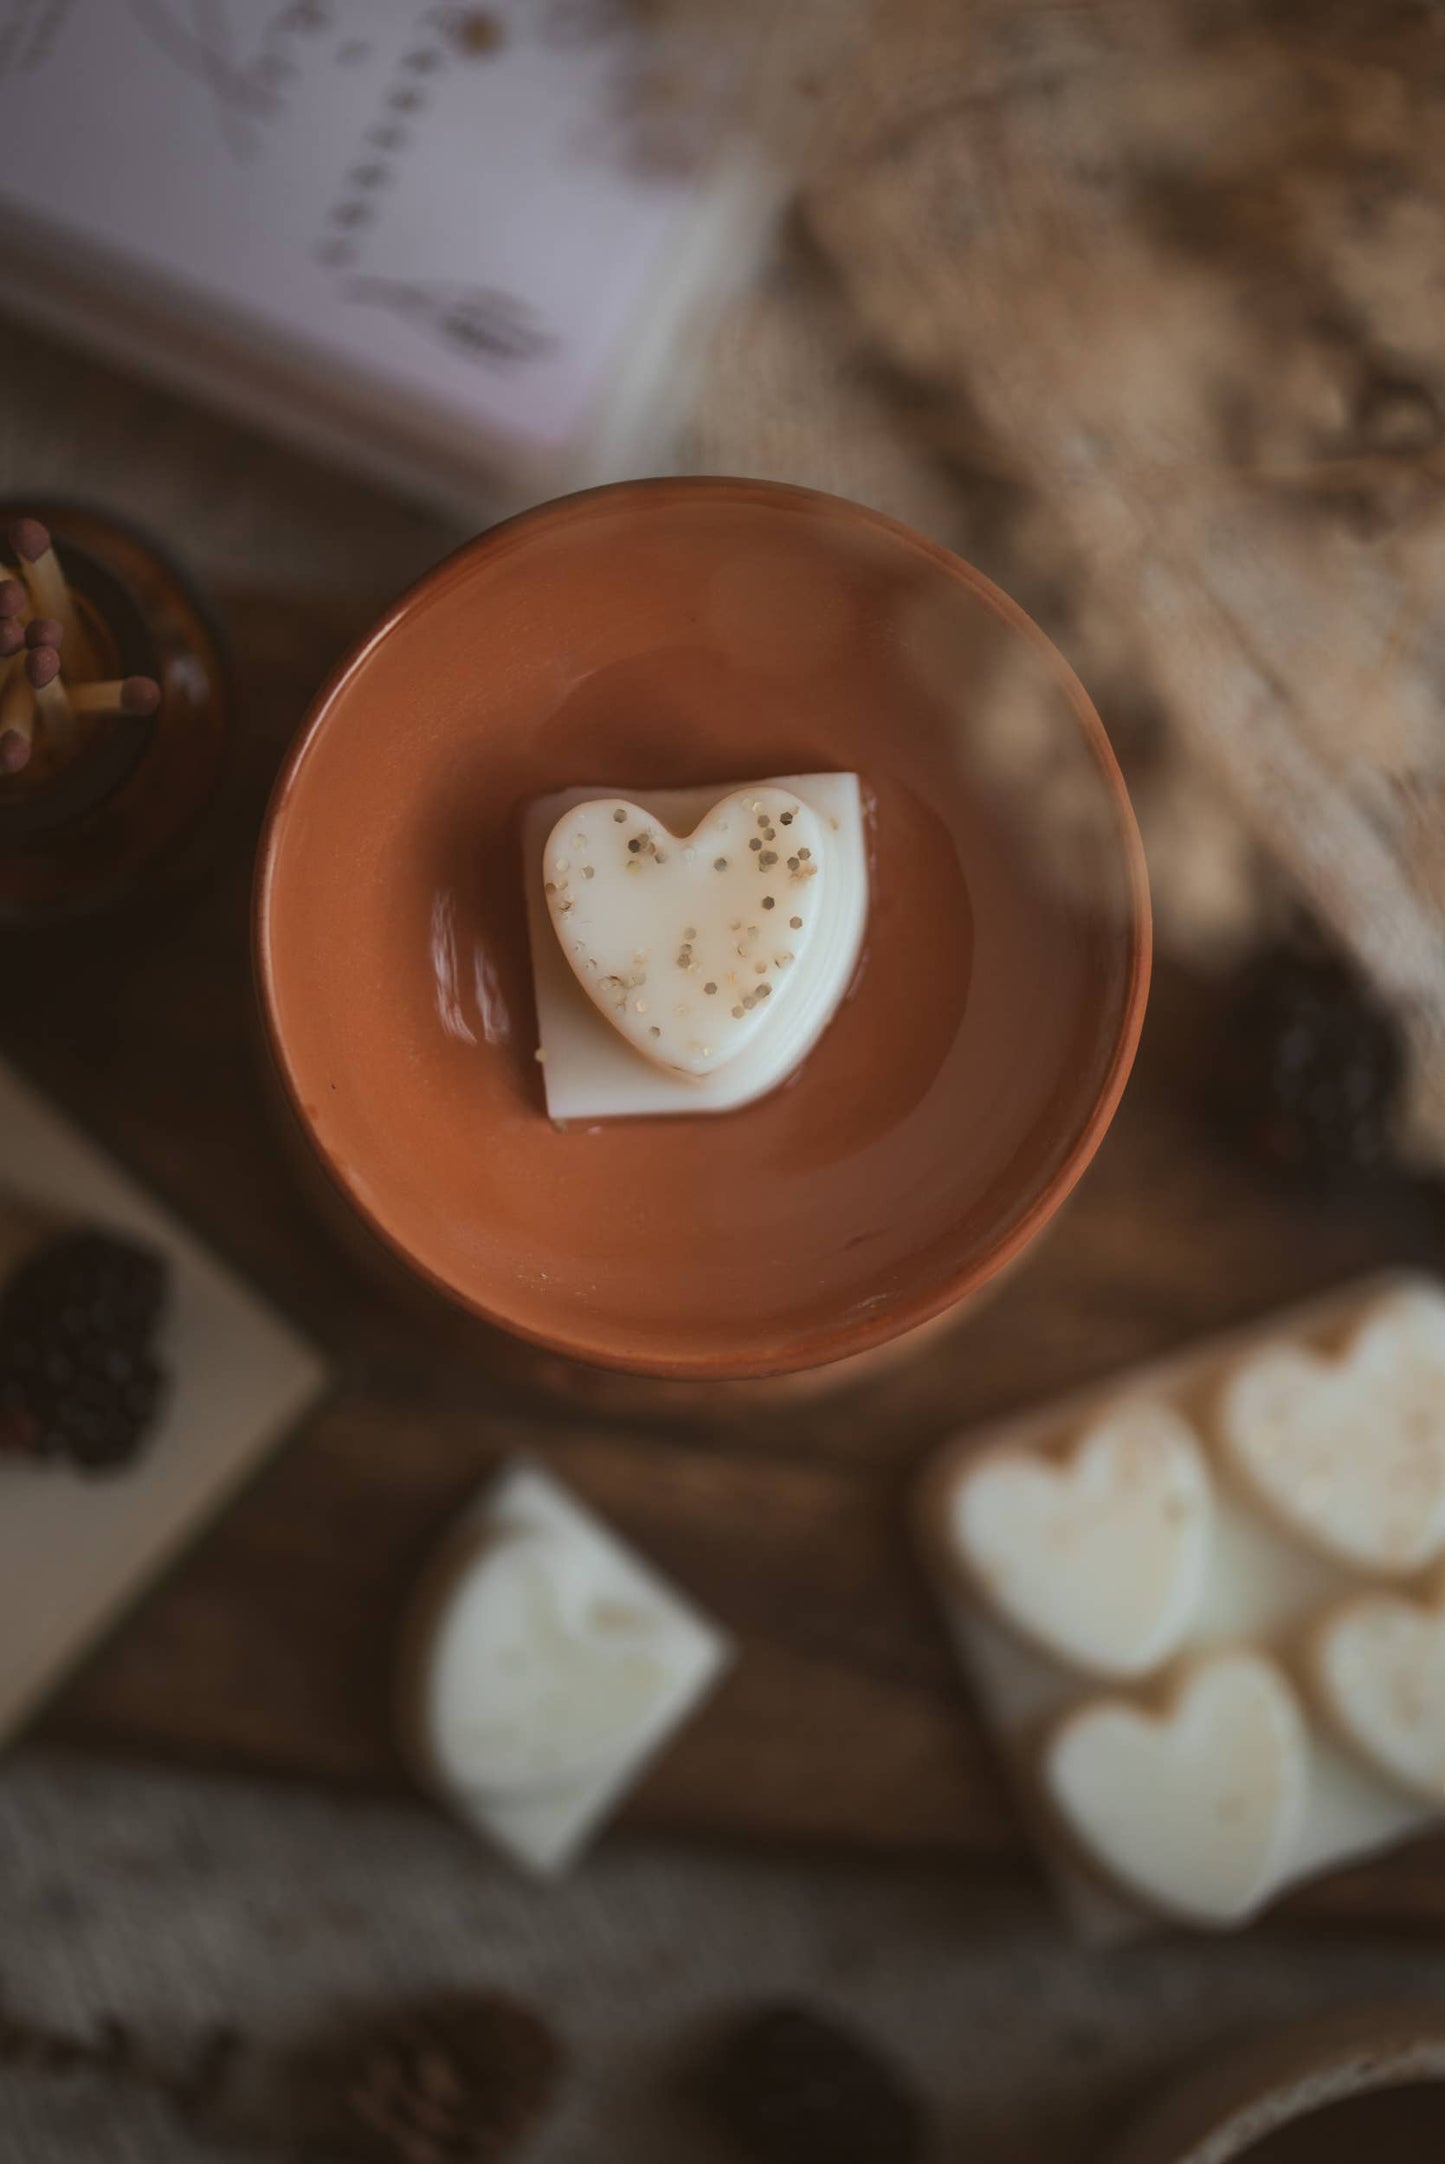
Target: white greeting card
[{"x": 74, "y": 1550}]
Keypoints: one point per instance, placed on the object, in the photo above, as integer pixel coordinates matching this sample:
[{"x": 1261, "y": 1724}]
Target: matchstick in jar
[
  {"x": 118, "y": 695},
  {"x": 51, "y": 596},
  {"x": 17, "y": 722},
  {"x": 11, "y": 644},
  {"x": 53, "y": 711}
]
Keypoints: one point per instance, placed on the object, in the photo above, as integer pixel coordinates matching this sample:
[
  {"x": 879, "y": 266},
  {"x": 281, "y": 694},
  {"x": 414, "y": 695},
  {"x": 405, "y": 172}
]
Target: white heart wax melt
[
  {"x": 689, "y": 947},
  {"x": 1379, "y": 1666},
  {"x": 1099, "y": 1557},
  {"x": 543, "y": 1669},
  {"x": 1195, "y": 1810},
  {"x": 1348, "y": 1450},
  {"x": 546, "y": 1664}
]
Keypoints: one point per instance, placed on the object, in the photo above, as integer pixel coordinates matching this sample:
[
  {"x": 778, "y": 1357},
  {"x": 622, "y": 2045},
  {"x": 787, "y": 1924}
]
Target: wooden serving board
[{"x": 270, "y": 1645}]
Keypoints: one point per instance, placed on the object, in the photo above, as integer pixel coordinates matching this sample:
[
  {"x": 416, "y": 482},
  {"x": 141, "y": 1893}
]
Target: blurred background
[{"x": 1140, "y": 310}]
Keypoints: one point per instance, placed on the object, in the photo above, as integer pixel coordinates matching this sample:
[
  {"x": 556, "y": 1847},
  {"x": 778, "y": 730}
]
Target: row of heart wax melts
[{"x": 1205, "y": 1606}]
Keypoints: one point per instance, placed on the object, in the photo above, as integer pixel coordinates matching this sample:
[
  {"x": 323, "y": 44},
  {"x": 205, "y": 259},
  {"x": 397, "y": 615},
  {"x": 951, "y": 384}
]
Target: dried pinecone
[
  {"x": 78, "y": 1380},
  {"x": 1316, "y": 1064},
  {"x": 459, "y": 2078},
  {"x": 792, "y": 2087}
]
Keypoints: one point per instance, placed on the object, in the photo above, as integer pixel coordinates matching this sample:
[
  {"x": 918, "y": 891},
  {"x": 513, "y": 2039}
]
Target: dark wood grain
[{"x": 270, "y": 1646}]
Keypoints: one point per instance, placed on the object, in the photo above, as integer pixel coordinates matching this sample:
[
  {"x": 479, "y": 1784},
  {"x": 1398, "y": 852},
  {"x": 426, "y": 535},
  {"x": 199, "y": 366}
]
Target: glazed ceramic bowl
[{"x": 661, "y": 634}]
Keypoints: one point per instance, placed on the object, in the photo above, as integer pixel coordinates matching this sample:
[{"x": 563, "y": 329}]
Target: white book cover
[{"x": 431, "y": 236}]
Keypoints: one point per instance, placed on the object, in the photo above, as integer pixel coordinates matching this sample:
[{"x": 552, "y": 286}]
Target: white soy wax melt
[
  {"x": 690, "y": 946},
  {"x": 1098, "y": 1557},
  {"x": 1204, "y": 1608},
  {"x": 1194, "y": 1807},
  {"x": 1291, "y": 1421},
  {"x": 545, "y": 1665}
]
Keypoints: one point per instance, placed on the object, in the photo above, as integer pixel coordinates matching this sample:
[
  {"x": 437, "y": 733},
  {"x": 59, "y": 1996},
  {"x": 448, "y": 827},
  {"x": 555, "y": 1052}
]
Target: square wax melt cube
[
  {"x": 1203, "y": 1608},
  {"x": 546, "y": 1665},
  {"x": 590, "y": 1071}
]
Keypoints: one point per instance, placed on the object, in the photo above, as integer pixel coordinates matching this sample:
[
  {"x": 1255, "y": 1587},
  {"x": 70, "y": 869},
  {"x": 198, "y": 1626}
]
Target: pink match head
[{"x": 29, "y": 538}]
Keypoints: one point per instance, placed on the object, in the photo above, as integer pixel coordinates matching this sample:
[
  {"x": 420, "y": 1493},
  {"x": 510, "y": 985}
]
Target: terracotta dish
[{"x": 667, "y": 633}]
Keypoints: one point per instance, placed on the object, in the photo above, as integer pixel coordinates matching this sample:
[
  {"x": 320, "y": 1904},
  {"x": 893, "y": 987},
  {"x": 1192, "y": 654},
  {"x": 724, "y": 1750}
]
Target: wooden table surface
[{"x": 270, "y": 1645}]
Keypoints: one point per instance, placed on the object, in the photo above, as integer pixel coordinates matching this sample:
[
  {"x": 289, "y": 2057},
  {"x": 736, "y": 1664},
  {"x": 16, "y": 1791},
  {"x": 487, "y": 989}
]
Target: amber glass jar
[{"x": 124, "y": 811}]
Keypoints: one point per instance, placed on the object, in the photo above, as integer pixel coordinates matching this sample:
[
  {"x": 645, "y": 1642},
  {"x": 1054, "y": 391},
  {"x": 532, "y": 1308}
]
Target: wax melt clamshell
[{"x": 1201, "y": 1615}]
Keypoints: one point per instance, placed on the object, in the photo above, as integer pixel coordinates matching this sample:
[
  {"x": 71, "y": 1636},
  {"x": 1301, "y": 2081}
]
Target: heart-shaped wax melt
[
  {"x": 1349, "y": 1452},
  {"x": 1195, "y": 1812},
  {"x": 1098, "y": 1557},
  {"x": 541, "y": 1668},
  {"x": 689, "y": 945},
  {"x": 1379, "y": 1666}
]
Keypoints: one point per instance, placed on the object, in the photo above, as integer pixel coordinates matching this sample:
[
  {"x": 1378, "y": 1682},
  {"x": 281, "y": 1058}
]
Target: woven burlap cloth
[
  {"x": 142, "y": 1911},
  {"x": 1141, "y": 307}
]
